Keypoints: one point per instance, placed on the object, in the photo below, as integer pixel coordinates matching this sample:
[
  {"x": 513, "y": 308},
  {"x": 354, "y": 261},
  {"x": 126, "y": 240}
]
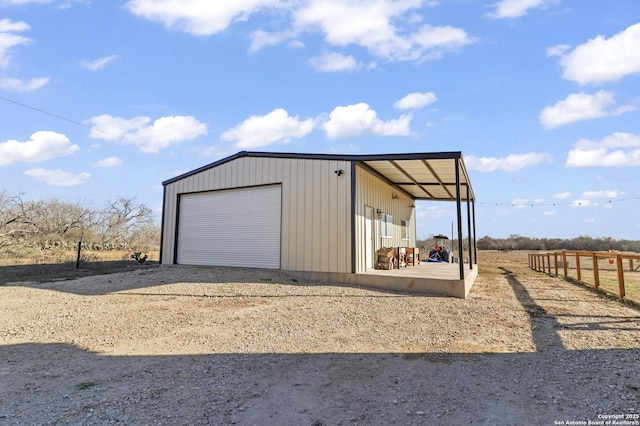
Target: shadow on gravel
[
  {"x": 40, "y": 273},
  {"x": 62, "y": 384},
  {"x": 151, "y": 275},
  {"x": 543, "y": 324},
  {"x": 606, "y": 322}
]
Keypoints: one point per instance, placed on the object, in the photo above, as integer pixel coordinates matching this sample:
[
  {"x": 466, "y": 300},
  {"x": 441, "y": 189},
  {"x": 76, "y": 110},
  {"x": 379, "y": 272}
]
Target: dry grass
[
  {"x": 47, "y": 265},
  {"x": 42, "y": 265},
  {"x": 607, "y": 275}
]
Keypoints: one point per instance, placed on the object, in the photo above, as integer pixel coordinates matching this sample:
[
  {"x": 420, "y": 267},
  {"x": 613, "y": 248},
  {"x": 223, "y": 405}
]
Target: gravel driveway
[{"x": 191, "y": 345}]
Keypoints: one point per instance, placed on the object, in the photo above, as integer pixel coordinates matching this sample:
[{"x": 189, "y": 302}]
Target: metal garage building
[{"x": 318, "y": 213}]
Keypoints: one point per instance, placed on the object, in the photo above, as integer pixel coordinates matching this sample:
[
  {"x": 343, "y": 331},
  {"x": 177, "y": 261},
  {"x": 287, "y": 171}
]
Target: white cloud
[
  {"x": 416, "y": 100},
  {"x": 276, "y": 126},
  {"x": 332, "y": 62},
  {"x": 374, "y": 26},
  {"x": 583, "y": 203},
  {"x": 549, "y": 212},
  {"x": 616, "y": 150},
  {"x": 558, "y": 50},
  {"x": 520, "y": 203},
  {"x": 10, "y": 39},
  {"x": 516, "y": 8},
  {"x": 601, "y": 60},
  {"x": 64, "y": 4},
  {"x": 562, "y": 195},
  {"x": 8, "y": 26},
  {"x": 386, "y": 28},
  {"x": 42, "y": 146},
  {"x": 149, "y": 138},
  {"x": 261, "y": 39},
  {"x": 359, "y": 119},
  {"x": 108, "y": 162},
  {"x": 296, "y": 44},
  {"x": 197, "y": 17},
  {"x": 511, "y": 163},
  {"x": 433, "y": 211},
  {"x": 98, "y": 64},
  {"x": 21, "y": 2},
  {"x": 58, "y": 177},
  {"x": 581, "y": 106},
  {"x": 608, "y": 194},
  {"x": 17, "y": 85}
]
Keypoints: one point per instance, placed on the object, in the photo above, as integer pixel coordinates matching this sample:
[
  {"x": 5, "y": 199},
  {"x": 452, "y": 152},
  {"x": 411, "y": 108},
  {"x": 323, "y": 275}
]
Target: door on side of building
[{"x": 368, "y": 235}]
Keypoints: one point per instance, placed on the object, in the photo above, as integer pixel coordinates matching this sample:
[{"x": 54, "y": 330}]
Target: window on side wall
[
  {"x": 406, "y": 225},
  {"x": 386, "y": 226}
]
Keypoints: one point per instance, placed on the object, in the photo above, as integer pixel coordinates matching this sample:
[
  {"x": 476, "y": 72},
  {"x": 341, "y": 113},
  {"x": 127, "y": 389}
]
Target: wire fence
[{"x": 613, "y": 273}]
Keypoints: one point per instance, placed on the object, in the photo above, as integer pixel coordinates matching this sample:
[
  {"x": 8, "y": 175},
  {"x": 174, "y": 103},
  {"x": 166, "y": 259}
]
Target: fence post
[
  {"x": 555, "y": 262},
  {"x": 620, "y": 276},
  {"x": 596, "y": 272},
  {"x": 564, "y": 263},
  {"x": 78, "y": 258},
  {"x": 578, "y": 271}
]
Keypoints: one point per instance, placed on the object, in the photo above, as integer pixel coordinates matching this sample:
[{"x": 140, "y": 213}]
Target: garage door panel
[{"x": 231, "y": 228}]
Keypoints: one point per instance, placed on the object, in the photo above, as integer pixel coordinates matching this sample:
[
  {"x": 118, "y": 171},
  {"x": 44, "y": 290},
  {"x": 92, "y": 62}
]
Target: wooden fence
[{"x": 614, "y": 273}]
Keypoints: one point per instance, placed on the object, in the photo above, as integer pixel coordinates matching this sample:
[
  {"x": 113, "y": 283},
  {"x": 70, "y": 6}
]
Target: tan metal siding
[
  {"x": 316, "y": 224},
  {"x": 374, "y": 192}
]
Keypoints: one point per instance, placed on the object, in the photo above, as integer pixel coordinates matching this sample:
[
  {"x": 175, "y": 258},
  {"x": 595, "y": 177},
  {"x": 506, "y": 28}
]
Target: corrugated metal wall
[
  {"x": 376, "y": 193},
  {"x": 316, "y": 224}
]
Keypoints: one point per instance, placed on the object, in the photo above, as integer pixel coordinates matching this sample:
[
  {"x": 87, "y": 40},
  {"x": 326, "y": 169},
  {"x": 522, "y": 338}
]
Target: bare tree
[
  {"x": 57, "y": 219},
  {"x": 125, "y": 220},
  {"x": 122, "y": 223},
  {"x": 8, "y": 218},
  {"x": 14, "y": 220}
]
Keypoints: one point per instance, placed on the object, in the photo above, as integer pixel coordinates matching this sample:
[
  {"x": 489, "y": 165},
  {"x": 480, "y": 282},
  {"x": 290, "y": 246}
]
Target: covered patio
[
  {"x": 427, "y": 277},
  {"x": 430, "y": 177}
]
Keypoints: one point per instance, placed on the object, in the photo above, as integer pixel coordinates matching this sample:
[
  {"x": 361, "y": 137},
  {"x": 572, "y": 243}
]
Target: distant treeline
[
  {"x": 583, "y": 243},
  {"x": 121, "y": 224},
  {"x": 518, "y": 242}
]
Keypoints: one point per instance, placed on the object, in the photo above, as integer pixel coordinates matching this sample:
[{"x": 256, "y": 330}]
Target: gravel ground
[{"x": 191, "y": 345}]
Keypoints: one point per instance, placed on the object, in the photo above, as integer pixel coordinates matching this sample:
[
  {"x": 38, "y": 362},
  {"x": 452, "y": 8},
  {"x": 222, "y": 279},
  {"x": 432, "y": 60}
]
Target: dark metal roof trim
[
  {"x": 340, "y": 157},
  {"x": 362, "y": 160}
]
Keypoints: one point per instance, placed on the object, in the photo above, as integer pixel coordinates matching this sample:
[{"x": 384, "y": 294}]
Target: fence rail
[{"x": 614, "y": 273}]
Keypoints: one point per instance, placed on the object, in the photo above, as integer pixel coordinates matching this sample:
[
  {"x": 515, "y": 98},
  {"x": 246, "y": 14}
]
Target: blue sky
[{"x": 102, "y": 99}]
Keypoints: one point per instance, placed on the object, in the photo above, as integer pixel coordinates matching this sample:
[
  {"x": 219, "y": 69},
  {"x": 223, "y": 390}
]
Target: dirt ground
[{"x": 191, "y": 345}]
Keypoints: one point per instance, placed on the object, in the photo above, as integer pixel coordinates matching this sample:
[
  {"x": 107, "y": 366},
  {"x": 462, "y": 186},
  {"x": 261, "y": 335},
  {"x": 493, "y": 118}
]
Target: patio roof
[{"x": 423, "y": 176}]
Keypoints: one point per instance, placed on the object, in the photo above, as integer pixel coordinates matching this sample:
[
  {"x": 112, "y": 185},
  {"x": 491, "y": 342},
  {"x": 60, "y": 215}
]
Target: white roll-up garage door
[{"x": 237, "y": 227}]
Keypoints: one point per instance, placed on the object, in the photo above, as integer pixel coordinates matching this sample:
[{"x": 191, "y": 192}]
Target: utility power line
[
  {"x": 60, "y": 117},
  {"x": 528, "y": 204}
]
